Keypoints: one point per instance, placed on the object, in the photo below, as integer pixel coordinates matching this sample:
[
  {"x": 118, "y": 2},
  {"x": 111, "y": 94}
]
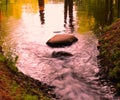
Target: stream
[{"x": 25, "y": 29}]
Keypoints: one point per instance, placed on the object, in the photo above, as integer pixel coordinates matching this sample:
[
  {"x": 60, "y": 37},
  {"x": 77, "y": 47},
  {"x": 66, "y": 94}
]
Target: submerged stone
[
  {"x": 61, "y": 40},
  {"x": 61, "y": 54}
]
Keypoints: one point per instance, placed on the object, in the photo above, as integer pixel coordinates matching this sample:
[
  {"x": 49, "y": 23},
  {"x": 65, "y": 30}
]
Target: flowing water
[{"x": 25, "y": 28}]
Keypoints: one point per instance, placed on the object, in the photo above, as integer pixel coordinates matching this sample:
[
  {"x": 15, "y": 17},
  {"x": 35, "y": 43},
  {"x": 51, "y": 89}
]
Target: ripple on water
[{"x": 73, "y": 77}]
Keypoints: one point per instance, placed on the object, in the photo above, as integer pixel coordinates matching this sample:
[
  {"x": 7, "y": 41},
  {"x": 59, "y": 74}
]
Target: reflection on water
[
  {"x": 90, "y": 13},
  {"x": 25, "y": 33},
  {"x": 96, "y": 13},
  {"x": 41, "y": 10},
  {"x": 0, "y": 18},
  {"x": 68, "y": 4}
]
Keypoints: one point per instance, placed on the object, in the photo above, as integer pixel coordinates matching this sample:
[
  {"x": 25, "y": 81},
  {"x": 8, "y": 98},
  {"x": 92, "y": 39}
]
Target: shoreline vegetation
[
  {"x": 15, "y": 85},
  {"x": 109, "y": 57}
]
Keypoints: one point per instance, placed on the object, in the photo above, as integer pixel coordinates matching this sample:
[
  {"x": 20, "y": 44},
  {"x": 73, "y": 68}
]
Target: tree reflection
[
  {"x": 41, "y": 10},
  {"x": 0, "y": 17},
  {"x": 109, "y": 11},
  {"x": 103, "y": 11},
  {"x": 118, "y": 2},
  {"x": 68, "y": 4}
]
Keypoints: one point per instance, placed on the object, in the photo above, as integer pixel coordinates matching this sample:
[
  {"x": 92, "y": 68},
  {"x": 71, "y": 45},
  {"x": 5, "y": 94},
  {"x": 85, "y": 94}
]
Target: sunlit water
[{"x": 74, "y": 77}]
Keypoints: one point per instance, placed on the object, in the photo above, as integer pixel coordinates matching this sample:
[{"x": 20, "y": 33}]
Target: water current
[{"x": 74, "y": 76}]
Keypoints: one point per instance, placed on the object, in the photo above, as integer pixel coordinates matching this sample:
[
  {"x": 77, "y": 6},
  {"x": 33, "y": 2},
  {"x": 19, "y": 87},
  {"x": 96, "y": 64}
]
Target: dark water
[{"x": 25, "y": 28}]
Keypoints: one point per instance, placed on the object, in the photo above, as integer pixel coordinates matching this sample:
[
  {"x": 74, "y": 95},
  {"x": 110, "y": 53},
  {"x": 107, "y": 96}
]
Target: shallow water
[{"x": 26, "y": 33}]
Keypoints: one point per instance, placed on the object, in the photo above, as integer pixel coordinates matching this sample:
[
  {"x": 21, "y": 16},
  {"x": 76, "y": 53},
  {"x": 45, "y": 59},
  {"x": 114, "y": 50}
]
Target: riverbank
[
  {"x": 109, "y": 47},
  {"x": 16, "y": 86}
]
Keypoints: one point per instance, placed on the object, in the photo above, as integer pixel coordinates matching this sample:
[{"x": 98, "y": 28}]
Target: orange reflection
[
  {"x": 41, "y": 10},
  {"x": 86, "y": 23},
  {"x": 0, "y": 17}
]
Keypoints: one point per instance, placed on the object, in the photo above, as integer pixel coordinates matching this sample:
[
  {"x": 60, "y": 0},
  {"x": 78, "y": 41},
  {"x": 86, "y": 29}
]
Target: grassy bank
[
  {"x": 16, "y": 86},
  {"x": 109, "y": 42}
]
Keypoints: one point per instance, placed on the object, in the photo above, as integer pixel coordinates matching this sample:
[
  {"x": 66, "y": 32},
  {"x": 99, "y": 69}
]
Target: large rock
[{"x": 61, "y": 40}]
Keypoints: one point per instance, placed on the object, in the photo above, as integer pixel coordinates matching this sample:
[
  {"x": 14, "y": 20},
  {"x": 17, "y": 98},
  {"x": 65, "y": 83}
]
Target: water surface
[{"x": 27, "y": 25}]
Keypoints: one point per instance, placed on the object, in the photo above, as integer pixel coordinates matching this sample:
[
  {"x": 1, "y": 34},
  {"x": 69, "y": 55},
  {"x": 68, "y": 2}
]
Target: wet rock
[
  {"x": 61, "y": 54},
  {"x": 61, "y": 40}
]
